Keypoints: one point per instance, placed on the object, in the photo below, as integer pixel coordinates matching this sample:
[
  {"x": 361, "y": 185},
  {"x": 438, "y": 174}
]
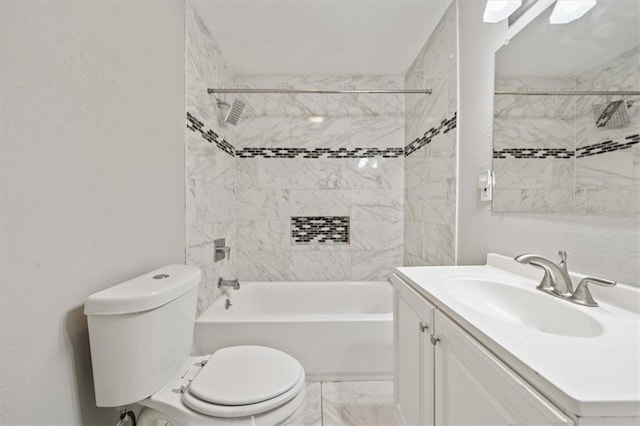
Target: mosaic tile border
[
  {"x": 445, "y": 126},
  {"x": 608, "y": 146},
  {"x": 359, "y": 152},
  {"x": 209, "y": 135},
  {"x": 563, "y": 153},
  {"x": 320, "y": 230},
  {"x": 559, "y": 153}
]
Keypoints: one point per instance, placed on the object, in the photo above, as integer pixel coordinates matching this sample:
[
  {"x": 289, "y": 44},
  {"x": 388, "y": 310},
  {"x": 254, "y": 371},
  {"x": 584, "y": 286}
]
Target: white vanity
[{"x": 480, "y": 345}]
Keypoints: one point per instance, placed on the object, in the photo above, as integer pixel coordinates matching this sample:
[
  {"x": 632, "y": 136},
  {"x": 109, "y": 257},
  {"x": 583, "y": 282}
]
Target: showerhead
[
  {"x": 235, "y": 110},
  {"x": 612, "y": 114}
]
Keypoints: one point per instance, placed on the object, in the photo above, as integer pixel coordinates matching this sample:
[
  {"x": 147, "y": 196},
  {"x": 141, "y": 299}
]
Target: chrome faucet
[
  {"x": 234, "y": 284},
  {"x": 557, "y": 282}
]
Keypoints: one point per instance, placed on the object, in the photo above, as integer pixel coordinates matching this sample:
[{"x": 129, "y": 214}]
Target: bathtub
[{"x": 337, "y": 330}]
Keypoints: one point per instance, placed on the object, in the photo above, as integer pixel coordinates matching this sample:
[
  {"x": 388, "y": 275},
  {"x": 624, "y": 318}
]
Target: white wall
[
  {"x": 608, "y": 246},
  {"x": 92, "y": 184}
]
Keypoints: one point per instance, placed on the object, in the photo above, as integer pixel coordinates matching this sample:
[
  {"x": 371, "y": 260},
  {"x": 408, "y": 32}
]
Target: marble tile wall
[
  {"x": 534, "y": 146},
  {"x": 549, "y": 156},
  {"x": 608, "y": 182},
  {"x": 367, "y": 160},
  {"x": 349, "y": 165},
  {"x": 210, "y": 169},
  {"x": 430, "y": 149}
]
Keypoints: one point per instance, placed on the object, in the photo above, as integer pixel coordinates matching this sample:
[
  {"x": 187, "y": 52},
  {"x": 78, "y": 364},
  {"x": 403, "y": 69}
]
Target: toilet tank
[{"x": 141, "y": 333}]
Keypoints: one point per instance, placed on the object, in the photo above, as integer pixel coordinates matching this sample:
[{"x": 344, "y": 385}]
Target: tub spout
[{"x": 234, "y": 284}]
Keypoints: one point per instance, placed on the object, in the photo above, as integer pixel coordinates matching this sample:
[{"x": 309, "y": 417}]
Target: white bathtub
[{"x": 337, "y": 330}]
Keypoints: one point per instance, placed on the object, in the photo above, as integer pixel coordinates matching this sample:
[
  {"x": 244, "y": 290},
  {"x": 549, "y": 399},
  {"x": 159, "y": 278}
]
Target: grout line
[{"x": 321, "y": 404}]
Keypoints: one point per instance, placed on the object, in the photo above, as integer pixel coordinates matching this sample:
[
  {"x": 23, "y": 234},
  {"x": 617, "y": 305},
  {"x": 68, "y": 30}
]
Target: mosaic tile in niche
[{"x": 320, "y": 229}]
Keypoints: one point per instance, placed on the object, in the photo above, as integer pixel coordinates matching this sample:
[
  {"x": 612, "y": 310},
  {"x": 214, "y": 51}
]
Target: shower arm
[{"x": 322, "y": 91}]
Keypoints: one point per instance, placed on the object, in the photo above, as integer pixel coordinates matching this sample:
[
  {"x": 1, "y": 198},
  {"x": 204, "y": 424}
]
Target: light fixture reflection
[
  {"x": 566, "y": 11},
  {"x": 367, "y": 163},
  {"x": 497, "y": 10},
  {"x": 315, "y": 119}
]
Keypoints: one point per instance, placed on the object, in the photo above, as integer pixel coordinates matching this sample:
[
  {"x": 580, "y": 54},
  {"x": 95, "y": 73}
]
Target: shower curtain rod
[
  {"x": 323, "y": 91},
  {"x": 569, "y": 92}
]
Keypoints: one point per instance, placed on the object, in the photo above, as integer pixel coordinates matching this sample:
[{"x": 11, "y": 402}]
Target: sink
[{"x": 527, "y": 307}]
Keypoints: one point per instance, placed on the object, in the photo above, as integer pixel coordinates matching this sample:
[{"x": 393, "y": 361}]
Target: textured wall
[
  {"x": 92, "y": 193},
  {"x": 601, "y": 245},
  {"x": 430, "y": 139},
  {"x": 210, "y": 164},
  {"x": 350, "y": 165}
]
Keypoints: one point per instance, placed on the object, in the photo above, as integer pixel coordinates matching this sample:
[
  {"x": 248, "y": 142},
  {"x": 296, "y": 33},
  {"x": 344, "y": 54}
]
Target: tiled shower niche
[{"x": 320, "y": 230}]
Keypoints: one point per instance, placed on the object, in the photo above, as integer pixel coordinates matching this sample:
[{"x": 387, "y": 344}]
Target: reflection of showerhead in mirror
[
  {"x": 235, "y": 110},
  {"x": 612, "y": 114}
]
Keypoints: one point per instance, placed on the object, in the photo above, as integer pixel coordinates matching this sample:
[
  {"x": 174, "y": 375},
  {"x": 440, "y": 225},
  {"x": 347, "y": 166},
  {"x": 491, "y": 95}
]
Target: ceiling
[
  {"x": 371, "y": 37},
  {"x": 542, "y": 49}
]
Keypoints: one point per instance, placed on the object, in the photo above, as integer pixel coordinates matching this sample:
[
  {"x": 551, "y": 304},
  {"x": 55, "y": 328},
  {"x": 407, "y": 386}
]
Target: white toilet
[{"x": 141, "y": 335}]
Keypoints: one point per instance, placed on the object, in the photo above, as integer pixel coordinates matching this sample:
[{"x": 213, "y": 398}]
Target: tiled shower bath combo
[
  {"x": 320, "y": 187},
  {"x": 363, "y": 161}
]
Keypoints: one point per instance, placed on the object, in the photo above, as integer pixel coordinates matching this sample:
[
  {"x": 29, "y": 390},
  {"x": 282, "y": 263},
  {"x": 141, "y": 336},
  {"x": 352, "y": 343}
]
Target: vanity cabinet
[
  {"x": 413, "y": 356},
  {"x": 473, "y": 387},
  {"x": 443, "y": 376}
]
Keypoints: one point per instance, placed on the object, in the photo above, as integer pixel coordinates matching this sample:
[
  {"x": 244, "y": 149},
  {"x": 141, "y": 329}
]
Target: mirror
[{"x": 565, "y": 146}]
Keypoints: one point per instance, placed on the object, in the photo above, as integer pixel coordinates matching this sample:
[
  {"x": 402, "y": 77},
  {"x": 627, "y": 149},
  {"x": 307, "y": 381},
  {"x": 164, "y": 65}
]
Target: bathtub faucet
[{"x": 234, "y": 284}]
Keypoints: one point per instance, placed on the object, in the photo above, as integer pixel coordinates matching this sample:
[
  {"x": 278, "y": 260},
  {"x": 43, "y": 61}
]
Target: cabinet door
[
  {"x": 473, "y": 387},
  {"x": 413, "y": 357}
]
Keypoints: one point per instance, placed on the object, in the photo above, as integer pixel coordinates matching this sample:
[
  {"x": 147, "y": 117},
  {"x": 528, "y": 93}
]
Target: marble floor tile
[
  {"x": 358, "y": 403},
  {"x": 310, "y": 413}
]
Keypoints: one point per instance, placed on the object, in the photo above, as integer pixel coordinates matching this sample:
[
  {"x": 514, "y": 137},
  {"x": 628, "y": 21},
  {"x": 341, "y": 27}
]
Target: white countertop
[{"x": 585, "y": 376}]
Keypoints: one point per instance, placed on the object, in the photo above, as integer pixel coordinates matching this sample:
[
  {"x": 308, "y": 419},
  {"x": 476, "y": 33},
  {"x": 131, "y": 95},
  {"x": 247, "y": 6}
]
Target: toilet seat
[
  {"x": 230, "y": 411},
  {"x": 243, "y": 381}
]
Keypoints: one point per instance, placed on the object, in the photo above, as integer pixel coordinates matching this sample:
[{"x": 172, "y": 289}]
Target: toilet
[{"x": 141, "y": 336}]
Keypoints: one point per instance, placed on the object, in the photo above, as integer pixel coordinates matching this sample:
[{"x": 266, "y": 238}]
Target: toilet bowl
[
  {"x": 239, "y": 385},
  {"x": 154, "y": 315}
]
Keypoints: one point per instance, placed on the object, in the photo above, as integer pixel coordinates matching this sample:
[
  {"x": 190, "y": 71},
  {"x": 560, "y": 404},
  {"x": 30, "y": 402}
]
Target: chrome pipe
[
  {"x": 322, "y": 91},
  {"x": 570, "y": 92}
]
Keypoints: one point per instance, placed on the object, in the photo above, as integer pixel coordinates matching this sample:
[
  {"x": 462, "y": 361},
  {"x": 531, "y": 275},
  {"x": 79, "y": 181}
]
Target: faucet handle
[
  {"x": 221, "y": 250},
  {"x": 563, "y": 259},
  {"x": 582, "y": 295}
]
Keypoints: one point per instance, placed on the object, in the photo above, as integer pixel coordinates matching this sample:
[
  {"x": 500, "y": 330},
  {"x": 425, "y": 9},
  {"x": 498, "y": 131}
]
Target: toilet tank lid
[{"x": 145, "y": 292}]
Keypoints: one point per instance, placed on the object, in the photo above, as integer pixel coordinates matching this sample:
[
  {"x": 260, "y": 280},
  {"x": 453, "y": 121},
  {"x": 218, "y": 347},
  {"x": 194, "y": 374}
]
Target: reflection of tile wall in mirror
[
  {"x": 549, "y": 156},
  {"x": 607, "y": 159},
  {"x": 533, "y": 146}
]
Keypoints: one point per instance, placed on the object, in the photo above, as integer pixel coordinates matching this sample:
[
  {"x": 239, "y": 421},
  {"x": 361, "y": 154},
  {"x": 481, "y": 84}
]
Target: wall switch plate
[{"x": 486, "y": 182}]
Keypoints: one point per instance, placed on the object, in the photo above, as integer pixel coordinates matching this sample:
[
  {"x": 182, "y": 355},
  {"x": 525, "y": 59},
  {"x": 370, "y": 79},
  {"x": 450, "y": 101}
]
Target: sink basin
[{"x": 527, "y": 307}]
